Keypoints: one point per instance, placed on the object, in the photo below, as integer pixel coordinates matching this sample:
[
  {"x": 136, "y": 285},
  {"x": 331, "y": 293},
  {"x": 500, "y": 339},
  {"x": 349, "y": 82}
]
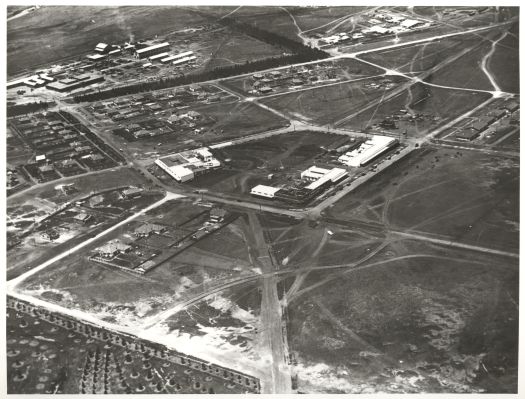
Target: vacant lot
[
  {"x": 326, "y": 105},
  {"x": 420, "y": 57},
  {"x": 463, "y": 196},
  {"x": 439, "y": 321}
]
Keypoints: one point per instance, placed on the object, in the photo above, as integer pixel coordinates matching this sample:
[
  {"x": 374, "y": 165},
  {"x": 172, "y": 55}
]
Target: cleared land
[
  {"x": 326, "y": 105},
  {"x": 463, "y": 196},
  {"x": 443, "y": 321}
]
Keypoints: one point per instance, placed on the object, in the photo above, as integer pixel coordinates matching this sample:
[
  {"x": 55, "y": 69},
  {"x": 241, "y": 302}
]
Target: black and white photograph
[{"x": 261, "y": 199}]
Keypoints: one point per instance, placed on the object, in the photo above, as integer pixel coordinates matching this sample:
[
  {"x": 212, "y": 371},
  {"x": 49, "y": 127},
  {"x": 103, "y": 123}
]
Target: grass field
[
  {"x": 440, "y": 322},
  {"x": 326, "y": 105},
  {"x": 323, "y": 18},
  {"x": 467, "y": 197},
  {"x": 420, "y": 57},
  {"x": 504, "y": 63},
  {"x": 236, "y": 48}
]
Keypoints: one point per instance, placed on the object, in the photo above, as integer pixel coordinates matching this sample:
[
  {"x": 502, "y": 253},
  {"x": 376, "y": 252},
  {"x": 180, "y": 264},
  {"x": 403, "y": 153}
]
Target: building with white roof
[
  {"x": 411, "y": 23},
  {"x": 331, "y": 176},
  {"x": 314, "y": 173},
  {"x": 158, "y": 56},
  {"x": 264, "y": 191},
  {"x": 184, "y": 166},
  {"x": 368, "y": 151},
  {"x": 102, "y": 48},
  {"x": 183, "y": 60},
  {"x": 152, "y": 50},
  {"x": 95, "y": 57}
]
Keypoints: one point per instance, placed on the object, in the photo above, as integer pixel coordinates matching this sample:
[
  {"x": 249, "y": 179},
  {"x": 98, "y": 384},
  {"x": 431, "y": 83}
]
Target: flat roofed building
[
  {"x": 332, "y": 176},
  {"x": 183, "y": 60},
  {"x": 178, "y": 172},
  {"x": 184, "y": 166},
  {"x": 314, "y": 173},
  {"x": 411, "y": 23},
  {"x": 74, "y": 84},
  {"x": 264, "y": 191},
  {"x": 47, "y": 78},
  {"x": 95, "y": 57},
  {"x": 152, "y": 50},
  {"x": 157, "y": 56},
  {"x": 368, "y": 151},
  {"x": 102, "y": 48},
  {"x": 176, "y": 56}
]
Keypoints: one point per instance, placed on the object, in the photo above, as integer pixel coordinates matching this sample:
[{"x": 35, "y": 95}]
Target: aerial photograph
[{"x": 262, "y": 199}]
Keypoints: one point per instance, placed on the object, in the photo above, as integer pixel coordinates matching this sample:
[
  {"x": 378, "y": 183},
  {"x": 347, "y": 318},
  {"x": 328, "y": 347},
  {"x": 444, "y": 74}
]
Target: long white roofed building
[{"x": 368, "y": 151}]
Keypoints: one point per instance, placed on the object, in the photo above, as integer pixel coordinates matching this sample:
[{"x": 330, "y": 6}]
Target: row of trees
[
  {"x": 301, "y": 53},
  {"x": 29, "y": 108},
  {"x": 215, "y": 73},
  {"x": 274, "y": 39}
]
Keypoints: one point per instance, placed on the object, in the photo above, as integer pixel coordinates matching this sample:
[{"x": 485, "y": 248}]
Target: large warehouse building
[
  {"x": 72, "y": 83},
  {"x": 185, "y": 166},
  {"x": 152, "y": 50},
  {"x": 368, "y": 151}
]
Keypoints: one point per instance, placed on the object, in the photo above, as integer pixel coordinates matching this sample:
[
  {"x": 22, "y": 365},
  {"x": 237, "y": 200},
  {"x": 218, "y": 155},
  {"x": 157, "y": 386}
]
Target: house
[
  {"x": 148, "y": 229},
  {"x": 67, "y": 164},
  {"x": 199, "y": 234},
  {"x": 217, "y": 215},
  {"x": 112, "y": 249},
  {"x": 131, "y": 192},
  {"x": 96, "y": 200},
  {"x": 82, "y": 217},
  {"x": 193, "y": 115},
  {"x": 46, "y": 170},
  {"x": 51, "y": 234}
]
